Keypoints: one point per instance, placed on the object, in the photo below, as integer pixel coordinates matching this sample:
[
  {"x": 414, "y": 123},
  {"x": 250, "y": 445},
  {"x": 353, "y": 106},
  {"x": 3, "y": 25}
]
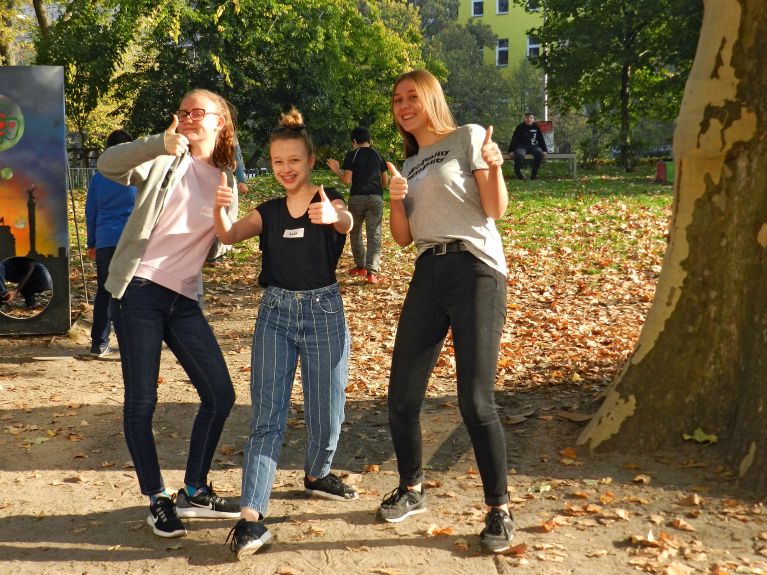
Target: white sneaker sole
[
  {"x": 203, "y": 513},
  {"x": 253, "y": 547},
  {"x": 177, "y": 533},
  {"x": 403, "y": 517}
]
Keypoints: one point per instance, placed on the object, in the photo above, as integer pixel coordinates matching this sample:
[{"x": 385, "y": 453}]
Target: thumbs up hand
[
  {"x": 491, "y": 153},
  {"x": 397, "y": 184},
  {"x": 322, "y": 212},
  {"x": 224, "y": 194},
  {"x": 175, "y": 144}
]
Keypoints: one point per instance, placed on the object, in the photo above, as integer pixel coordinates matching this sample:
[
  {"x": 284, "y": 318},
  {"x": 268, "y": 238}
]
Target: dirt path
[{"x": 69, "y": 501}]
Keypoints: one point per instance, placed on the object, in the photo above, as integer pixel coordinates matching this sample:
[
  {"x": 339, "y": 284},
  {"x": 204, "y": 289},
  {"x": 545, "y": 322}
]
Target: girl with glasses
[
  {"x": 154, "y": 277},
  {"x": 301, "y": 315}
]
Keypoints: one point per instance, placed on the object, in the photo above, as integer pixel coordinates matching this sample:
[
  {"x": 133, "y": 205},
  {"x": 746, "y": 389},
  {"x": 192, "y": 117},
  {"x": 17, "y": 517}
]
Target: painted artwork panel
[{"x": 34, "y": 239}]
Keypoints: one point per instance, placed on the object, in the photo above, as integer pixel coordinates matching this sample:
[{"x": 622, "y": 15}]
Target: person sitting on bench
[{"x": 528, "y": 139}]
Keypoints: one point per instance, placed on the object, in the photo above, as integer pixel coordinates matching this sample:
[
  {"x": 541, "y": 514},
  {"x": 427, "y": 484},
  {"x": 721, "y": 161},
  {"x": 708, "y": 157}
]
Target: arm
[
  {"x": 90, "y": 214},
  {"x": 345, "y": 220},
  {"x": 119, "y": 162},
  {"x": 398, "y": 223},
  {"x": 493, "y": 194},
  {"x": 541, "y": 141},
  {"x": 345, "y": 176},
  {"x": 514, "y": 139},
  {"x": 326, "y": 212},
  {"x": 228, "y": 232}
]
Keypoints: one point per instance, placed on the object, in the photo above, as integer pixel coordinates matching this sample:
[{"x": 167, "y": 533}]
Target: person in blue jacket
[{"x": 107, "y": 208}]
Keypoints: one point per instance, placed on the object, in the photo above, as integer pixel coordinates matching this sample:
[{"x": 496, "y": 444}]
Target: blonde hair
[
  {"x": 291, "y": 126},
  {"x": 223, "y": 152},
  {"x": 432, "y": 97}
]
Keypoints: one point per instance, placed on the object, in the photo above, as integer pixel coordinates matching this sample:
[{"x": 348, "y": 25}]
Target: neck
[
  {"x": 427, "y": 137},
  {"x": 203, "y": 152}
]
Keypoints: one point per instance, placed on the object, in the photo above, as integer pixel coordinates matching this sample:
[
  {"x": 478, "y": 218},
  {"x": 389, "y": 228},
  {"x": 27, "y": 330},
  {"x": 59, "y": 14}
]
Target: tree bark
[
  {"x": 6, "y": 32},
  {"x": 42, "y": 18},
  {"x": 701, "y": 358}
]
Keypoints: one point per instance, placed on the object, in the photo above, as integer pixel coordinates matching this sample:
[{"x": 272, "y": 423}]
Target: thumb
[
  {"x": 393, "y": 170},
  {"x": 488, "y": 135},
  {"x": 173, "y": 124},
  {"x": 223, "y": 183},
  {"x": 323, "y": 197}
]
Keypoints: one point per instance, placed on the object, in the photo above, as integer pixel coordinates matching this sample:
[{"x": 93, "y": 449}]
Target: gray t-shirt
[{"x": 443, "y": 204}]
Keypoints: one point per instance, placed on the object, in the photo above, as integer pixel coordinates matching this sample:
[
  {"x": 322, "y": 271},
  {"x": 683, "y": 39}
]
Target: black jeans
[
  {"x": 519, "y": 156},
  {"x": 147, "y": 315},
  {"x": 102, "y": 305},
  {"x": 457, "y": 291}
]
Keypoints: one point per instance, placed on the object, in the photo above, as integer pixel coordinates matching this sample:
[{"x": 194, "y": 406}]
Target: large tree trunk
[
  {"x": 701, "y": 359},
  {"x": 6, "y": 32}
]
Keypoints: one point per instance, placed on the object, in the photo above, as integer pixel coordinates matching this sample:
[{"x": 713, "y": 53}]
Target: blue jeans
[
  {"x": 147, "y": 315},
  {"x": 453, "y": 291},
  {"x": 368, "y": 209},
  {"x": 291, "y": 324},
  {"x": 102, "y": 314}
]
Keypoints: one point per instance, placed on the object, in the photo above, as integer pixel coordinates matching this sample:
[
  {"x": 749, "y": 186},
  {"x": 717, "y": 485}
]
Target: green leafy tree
[
  {"x": 89, "y": 41},
  {"x": 622, "y": 58},
  {"x": 335, "y": 60}
]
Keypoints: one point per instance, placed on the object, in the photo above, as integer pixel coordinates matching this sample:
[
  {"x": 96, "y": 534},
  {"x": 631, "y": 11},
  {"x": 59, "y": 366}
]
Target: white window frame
[
  {"x": 533, "y": 44},
  {"x": 502, "y": 49},
  {"x": 474, "y": 4},
  {"x": 498, "y": 7},
  {"x": 536, "y": 8}
]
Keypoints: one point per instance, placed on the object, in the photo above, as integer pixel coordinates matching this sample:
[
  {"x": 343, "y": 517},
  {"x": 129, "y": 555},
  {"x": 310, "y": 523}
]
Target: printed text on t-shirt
[{"x": 435, "y": 158}]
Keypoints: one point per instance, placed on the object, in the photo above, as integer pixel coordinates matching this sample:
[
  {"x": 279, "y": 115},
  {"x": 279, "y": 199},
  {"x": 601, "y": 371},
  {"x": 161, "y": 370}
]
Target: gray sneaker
[
  {"x": 401, "y": 504},
  {"x": 100, "y": 352},
  {"x": 498, "y": 531}
]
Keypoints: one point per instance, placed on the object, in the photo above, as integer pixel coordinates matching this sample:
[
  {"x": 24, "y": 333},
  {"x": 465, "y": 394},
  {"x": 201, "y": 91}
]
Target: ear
[{"x": 312, "y": 159}]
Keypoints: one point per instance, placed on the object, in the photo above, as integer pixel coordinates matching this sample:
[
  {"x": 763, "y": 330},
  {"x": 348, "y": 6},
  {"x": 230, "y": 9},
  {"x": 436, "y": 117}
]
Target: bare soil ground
[{"x": 70, "y": 504}]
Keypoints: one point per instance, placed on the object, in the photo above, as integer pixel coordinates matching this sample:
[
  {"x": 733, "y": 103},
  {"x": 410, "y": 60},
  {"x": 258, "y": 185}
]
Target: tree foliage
[
  {"x": 335, "y": 60},
  {"x": 621, "y": 58}
]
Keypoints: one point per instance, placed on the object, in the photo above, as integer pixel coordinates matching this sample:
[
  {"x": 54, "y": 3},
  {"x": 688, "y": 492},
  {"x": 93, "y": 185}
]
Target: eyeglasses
[{"x": 195, "y": 114}]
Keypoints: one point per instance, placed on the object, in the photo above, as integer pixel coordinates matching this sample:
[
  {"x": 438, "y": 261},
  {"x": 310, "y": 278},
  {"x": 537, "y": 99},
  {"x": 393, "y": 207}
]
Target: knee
[{"x": 478, "y": 409}]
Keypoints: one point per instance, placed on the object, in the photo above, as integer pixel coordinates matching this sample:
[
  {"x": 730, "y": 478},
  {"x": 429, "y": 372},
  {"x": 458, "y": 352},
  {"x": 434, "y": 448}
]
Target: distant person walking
[
  {"x": 528, "y": 139},
  {"x": 154, "y": 279},
  {"x": 365, "y": 170},
  {"x": 107, "y": 207}
]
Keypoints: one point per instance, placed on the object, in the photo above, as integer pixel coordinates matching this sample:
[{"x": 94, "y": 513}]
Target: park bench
[{"x": 564, "y": 157}]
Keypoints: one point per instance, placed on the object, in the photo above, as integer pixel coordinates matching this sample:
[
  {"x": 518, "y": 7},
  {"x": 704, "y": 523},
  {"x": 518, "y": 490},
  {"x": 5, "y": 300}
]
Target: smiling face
[
  {"x": 291, "y": 163},
  {"x": 200, "y": 133},
  {"x": 408, "y": 108}
]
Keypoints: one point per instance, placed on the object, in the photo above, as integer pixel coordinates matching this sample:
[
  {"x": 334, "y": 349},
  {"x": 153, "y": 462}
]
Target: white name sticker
[
  {"x": 297, "y": 233},
  {"x": 206, "y": 212}
]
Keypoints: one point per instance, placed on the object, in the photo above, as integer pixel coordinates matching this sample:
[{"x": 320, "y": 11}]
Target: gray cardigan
[{"x": 144, "y": 163}]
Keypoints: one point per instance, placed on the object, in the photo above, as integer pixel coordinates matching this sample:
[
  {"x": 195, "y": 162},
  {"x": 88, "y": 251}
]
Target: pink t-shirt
[{"x": 184, "y": 232}]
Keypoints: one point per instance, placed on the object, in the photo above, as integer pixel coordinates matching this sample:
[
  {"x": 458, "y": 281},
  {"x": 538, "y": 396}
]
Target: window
[
  {"x": 533, "y": 5},
  {"x": 533, "y": 47},
  {"x": 502, "y": 53},
  {"x": 502, "y": 7},
  {"x": 478, "y": 7}
]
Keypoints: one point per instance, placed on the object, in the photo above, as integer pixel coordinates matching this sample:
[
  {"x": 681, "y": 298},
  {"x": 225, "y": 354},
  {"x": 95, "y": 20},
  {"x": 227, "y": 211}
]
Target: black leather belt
[{"x": 446, "y": 248}]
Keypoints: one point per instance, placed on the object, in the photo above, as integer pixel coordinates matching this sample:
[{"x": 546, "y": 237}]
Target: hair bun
[{"x": 292, "y": 119}]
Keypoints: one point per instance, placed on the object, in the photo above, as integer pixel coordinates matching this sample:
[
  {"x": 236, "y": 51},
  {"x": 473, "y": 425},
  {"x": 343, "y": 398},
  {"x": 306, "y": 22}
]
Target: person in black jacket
[{"x": 528, "y": 139}]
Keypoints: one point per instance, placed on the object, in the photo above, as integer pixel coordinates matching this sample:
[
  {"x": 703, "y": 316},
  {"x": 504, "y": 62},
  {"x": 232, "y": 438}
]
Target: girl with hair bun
[{"x": 301, "y": 315}]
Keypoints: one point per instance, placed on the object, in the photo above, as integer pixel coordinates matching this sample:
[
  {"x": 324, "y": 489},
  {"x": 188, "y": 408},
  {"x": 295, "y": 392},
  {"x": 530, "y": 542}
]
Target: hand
[
  {"x": 322, "y": 212},
  {"x": 175, "y": 144},
  {"x": 242, "y": 187},
  {"x": 333, "y": 165},
  {"x": 397, "y": 184},
  {"x": 545, "y": 154},
  {"x": 91, "y": 253},
  {"x": 224, "y": 194},
  {"x": 491, "y": 153}
]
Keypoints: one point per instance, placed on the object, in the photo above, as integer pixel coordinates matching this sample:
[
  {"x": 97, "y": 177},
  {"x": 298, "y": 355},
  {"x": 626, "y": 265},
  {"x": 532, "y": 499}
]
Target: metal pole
[{"x": 79, "y": 245}]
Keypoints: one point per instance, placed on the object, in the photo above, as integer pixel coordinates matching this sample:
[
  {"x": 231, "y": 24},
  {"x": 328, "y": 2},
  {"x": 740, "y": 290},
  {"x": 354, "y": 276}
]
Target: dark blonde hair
[
  {"x": 223, "y": 152},
  {"x": 291, "y": 126},
  {"x": 432, "y": 97}
]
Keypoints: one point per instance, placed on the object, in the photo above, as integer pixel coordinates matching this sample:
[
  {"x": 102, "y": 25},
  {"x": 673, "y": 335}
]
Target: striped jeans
[{"x": 291, "y": 324}]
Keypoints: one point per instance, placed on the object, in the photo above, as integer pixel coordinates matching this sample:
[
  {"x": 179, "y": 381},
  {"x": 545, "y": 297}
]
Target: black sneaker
[
  {"x": 205, "y": 504},
  {"x": 248, "y": 537},
  {"x": 330, "y": 487},
  {"x": 498, "y": 531},
  {"x": 163, "y": 518},
  {"x": 401, "y": 504}
]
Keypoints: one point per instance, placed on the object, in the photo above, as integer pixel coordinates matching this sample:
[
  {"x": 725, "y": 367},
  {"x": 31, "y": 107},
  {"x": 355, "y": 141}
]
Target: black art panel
[{"x": 34, "y": 241}]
